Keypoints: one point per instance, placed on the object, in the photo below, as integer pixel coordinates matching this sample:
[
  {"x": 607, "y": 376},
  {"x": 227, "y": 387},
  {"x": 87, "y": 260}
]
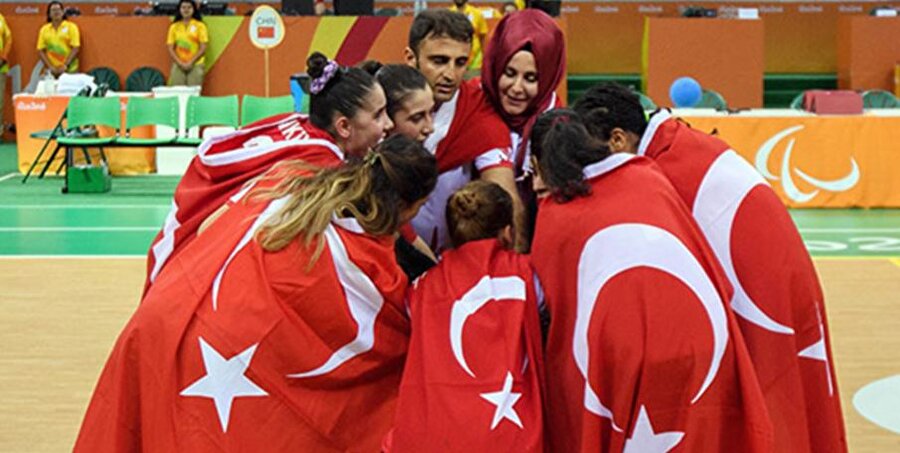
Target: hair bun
[
  {"x": 466, "y": 204},
  {"x": 371, "y": 66},
  {"x": 315, "y": 65}
]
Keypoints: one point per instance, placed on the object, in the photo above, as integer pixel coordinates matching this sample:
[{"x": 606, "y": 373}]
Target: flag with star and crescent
[
  {"x": 472, "y": 380},
  {"x": 222, "y": 169},
  {"x": 239, "y": 349},
  {"x": 643, "y": 354},
  {"x": 777, "y": 297}
]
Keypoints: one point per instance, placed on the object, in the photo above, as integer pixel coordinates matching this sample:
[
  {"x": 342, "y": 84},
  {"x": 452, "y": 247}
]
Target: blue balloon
[{"x": 685, "y": 92}]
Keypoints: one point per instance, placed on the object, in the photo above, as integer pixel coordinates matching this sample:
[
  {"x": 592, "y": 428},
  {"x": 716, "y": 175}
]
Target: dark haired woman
[
  {"x": 489, "y": 365},
  {"x": 410, "y": 101},
  {"x": 347, "y": 118},
  {"x": 59, "y": 41},
  {"x": 186, "y": 42},
  {"x": 281, "y": 328},
  {"x": 645, "y": 354},
  {"x": 525, "y": 62}
]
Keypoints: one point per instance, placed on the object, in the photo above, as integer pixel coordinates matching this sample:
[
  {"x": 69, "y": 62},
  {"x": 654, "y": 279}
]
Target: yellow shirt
[
  {"x": 5, "y": 43},
  {"x": 187, "y": 39},
  {"x": 481, "y": 31},
  {"x": 59, "y": 42}
]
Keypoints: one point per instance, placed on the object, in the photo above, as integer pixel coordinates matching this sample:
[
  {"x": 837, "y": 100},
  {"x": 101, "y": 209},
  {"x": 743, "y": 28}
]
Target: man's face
[{"x": 443, "y": 62}]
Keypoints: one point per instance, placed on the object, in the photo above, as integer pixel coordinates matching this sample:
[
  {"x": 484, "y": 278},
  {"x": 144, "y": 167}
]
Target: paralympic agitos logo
[{"x": 787, "y": 171}]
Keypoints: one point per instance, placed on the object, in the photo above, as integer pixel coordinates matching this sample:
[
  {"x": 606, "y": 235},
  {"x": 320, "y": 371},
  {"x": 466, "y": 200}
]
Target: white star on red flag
[
  {"x": 504, "y": 399},
  {"x": 224, "y": 380},
  {"x": 644, "y": 440}
]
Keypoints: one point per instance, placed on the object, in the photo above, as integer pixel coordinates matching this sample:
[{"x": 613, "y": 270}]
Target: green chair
[
  {"x": 797, "y": 102},
  {"x": 880, "y": 99},
  {"x": 646, "y": 102},
  {"x": 106, "y": 76},
  {"x": 143, "y": 111},
  {"x": 84, "y": 112},
  {"x": 712, "y": 100},
  {"x": 255, "y": 108},
  {"x": 144, "y": 79},
  {"x": 209, "y": 111}
]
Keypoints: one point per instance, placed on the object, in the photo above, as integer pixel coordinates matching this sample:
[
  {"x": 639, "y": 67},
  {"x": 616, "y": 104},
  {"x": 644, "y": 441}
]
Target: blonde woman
[{"x": 281, "y": 327}]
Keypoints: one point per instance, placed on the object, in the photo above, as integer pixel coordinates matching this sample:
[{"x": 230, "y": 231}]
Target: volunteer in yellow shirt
[
  {"x": 481, "y": 29},
  {"x": 187, "y": 42},
  {"x": 59, "y": 41},
  {"x": 5, "y": 45}
]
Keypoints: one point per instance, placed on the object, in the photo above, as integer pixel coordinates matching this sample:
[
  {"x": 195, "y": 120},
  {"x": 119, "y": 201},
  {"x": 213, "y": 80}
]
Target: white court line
[
  {"x": 72, "y": 257},
  {"x": 850, "y": 230},
  {"x": 80, "y": 229},
  {"x": 9, "y": 176},
  {"x": 85, "y": 206}
]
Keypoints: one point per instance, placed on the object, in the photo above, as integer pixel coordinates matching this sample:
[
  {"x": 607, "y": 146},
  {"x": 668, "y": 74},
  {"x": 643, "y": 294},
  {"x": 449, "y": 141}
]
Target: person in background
[
  {"x": 59, "y": 41},
  {"x": 187, "y": 41},
  {"x": 320, "y": 9},
  {"x": 5, "y": 46},
  {"x": 525, "y": 61},
  {"x": 479, "y": 24},
  {"x": 509, "y": 8},
  {"x": 490, "y": 366}
]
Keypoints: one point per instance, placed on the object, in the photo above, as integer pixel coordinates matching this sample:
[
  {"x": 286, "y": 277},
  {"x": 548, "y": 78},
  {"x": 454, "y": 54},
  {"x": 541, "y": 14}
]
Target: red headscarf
[{"x": 535, "y": 29}]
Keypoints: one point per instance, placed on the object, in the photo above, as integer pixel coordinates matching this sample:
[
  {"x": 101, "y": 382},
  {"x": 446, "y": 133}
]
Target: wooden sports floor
[{"x": 72, "y": 268}]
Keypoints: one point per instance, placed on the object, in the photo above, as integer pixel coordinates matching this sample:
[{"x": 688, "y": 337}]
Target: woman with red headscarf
[{"x": 525, "y": 63}]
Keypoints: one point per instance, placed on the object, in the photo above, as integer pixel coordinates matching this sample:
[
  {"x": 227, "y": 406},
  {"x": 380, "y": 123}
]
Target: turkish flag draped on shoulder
[
  {"x": 466, "y": 127},
  {"x": 642, "y": 353},
  {"x": 472, "y": 380},
  {"x": 239, "y": 349},
  {"x": 778, "y": 300},
  {"x": 225, "y": 165}
]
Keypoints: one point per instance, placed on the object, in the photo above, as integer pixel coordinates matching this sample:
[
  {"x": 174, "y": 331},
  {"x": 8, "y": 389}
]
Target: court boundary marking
[{"x": 8, "y": 176}]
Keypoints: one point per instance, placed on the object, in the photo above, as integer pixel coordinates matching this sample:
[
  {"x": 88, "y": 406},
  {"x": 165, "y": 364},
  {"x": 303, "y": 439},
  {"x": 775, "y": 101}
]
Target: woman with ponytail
[
  {"x": 347, "y": 118},
  {"x": 281, "y": 328},
  {"x": 486, "y": 296},
  {"x": 638, "y": 315}
]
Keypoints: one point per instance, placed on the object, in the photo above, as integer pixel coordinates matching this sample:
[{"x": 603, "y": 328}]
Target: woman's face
[
  {"x": 56, "y": 12},
  {"x": 414, "y": 118},
  {"x": 518, "y": 85},
  {"x": 187, "y": 9},
  {"x": 369, "y": 125}
]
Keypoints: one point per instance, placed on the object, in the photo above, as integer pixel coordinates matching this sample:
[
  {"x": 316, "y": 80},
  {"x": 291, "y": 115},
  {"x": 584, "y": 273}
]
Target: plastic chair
[
  {"x": 88, "y": 111},
  {"x": 880, "y": 99},
  {"x": 144, "y": 79},
  {"x": 209, "y": 111},
  {"x": 646, "y": 102},
  {"x": 106, "y": 76},
  {"x": 143, "y": 111},
  {"x": 712, "y": 100},
  {"x": 255, "y": 108},
  {"x": 797, "y": 102}
]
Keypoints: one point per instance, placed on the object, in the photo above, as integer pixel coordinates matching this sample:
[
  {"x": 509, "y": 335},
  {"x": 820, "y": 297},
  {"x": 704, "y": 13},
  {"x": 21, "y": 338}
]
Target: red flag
[
  {"x": 223, "y": 167},
  {"x": 642, "y": 353},
  {"x": 238, "y": 349},
  {"x": 468, "y": 137},
  {"x": 472, "y": 380},
  {"x": 265, "y": 32},
  {"x": 778, "y": 300}
]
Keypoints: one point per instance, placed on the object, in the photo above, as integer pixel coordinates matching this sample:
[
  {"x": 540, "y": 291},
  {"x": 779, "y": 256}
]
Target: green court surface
[{"x": 37, "y": 219}]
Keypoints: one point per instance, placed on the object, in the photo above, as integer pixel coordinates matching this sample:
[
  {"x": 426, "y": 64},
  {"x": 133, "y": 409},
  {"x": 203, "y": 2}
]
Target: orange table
[
  {"x": 816, "y": 161},
  {"x": 37, "y": 113},
  {"x": 724, "y": 55}
]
